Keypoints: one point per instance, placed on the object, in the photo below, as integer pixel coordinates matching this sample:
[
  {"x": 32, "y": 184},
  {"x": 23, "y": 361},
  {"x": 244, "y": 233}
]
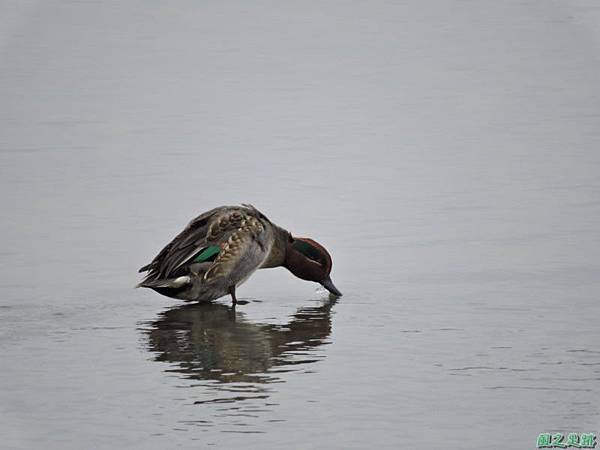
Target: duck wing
[
  {"x": 211, "y": 229},
  {"x": 241, "y": 253}
]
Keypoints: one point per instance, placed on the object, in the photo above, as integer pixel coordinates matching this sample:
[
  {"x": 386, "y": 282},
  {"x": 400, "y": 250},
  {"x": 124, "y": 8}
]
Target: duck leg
[{"x": 232, "y": 293}]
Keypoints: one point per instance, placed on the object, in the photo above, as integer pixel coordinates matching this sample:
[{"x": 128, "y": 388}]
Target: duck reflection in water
[{"x": 211, "y": 341}]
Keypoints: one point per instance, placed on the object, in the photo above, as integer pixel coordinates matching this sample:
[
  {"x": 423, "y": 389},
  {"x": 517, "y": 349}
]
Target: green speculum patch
[{"x": 207, "y": 254}]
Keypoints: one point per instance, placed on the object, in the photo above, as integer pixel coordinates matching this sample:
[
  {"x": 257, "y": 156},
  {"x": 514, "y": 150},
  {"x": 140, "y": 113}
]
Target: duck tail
[{"x": 173, "y": 283}]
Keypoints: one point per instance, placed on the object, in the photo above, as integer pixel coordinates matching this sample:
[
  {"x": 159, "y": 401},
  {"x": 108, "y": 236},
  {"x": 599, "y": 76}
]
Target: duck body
[{"x": 216, "y": 253}]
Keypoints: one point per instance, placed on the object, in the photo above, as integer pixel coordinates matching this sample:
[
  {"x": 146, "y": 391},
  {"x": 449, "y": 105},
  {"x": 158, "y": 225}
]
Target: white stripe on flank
[{"x": 178, "y": 282}]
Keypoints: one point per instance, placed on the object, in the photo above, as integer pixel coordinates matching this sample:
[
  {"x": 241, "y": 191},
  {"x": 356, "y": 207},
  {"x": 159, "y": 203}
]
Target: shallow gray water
[{"x": 445, "y": 152}]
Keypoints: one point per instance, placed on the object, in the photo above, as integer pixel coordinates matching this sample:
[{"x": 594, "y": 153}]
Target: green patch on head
[
  {"x": 308, "y": 250},
  {"x": 207, "y": 254}
]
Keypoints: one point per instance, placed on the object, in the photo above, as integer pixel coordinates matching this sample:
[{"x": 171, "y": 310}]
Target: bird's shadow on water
[{"x": 217, "y": 345}]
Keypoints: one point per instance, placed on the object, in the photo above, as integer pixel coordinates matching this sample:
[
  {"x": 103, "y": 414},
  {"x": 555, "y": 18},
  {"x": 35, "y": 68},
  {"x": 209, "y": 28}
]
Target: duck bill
[{"x": 328, "y": 284}]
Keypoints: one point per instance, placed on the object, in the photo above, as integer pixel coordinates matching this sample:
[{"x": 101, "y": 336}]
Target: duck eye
[{"x": 308, "y": 250}]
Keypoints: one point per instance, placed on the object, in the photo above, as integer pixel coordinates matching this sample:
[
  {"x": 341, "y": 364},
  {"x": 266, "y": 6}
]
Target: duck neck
[{"x": 277, "y": 254}]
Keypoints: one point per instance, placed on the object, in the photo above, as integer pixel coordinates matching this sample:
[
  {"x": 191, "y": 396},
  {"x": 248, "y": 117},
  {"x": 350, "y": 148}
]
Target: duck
[{"x": 221, "y": 248}]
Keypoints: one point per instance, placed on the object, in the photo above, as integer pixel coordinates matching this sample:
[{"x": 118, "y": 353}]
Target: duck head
[{"x": 309, "y": 261}]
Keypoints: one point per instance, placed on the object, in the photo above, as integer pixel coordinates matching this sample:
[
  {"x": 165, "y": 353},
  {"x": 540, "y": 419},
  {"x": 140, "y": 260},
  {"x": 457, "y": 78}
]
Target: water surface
[{"x": 445, "y": 152}]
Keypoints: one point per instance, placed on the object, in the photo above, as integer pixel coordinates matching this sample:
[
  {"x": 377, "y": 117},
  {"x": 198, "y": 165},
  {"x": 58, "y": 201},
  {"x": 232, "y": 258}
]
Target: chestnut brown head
[{"x": 309, "y": 260}]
